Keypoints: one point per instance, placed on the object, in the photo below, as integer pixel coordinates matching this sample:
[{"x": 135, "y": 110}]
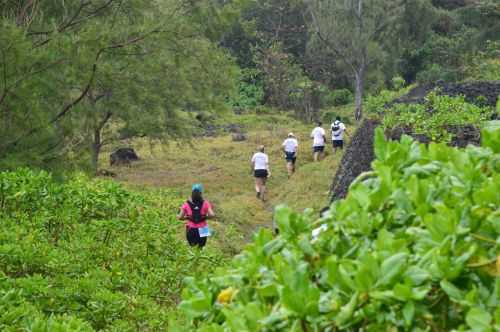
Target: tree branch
[{"x": 87, "y": 87}]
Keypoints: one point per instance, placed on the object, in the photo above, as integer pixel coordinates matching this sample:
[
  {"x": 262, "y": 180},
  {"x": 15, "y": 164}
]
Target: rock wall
[
  {"x": 359, "y": 154},
  {"x": 357, "y": 159},
  {"x": 485, "y": 92}
]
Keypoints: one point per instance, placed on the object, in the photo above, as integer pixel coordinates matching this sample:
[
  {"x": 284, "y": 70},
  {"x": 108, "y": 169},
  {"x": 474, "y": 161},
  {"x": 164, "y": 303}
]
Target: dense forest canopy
[{"x": 77, "y": 75}]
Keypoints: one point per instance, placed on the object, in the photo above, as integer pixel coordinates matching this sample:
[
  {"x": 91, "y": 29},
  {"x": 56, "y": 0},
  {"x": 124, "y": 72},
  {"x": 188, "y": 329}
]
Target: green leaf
[
  {"x": 391, "y": 268},
  {"x": 417, "y": 275},
  {"x": 479, "y": 320},
  {"x": 409, "y": 312},
  {"x": 490, "y": 138},
  {"x": 451, "y": 290},
  {"x": 380, "y": 144},
  {"x": 347, "y": 311}
]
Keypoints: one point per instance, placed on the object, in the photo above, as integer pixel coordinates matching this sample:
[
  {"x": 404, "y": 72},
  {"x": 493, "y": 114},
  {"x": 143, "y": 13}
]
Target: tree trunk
[
  {"x": 359, "y": 91},
  {"x": 97, "y": 141},
  {"x": 96, "y": 149}
]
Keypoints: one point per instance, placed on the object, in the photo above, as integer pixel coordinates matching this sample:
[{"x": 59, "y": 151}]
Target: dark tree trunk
[
  {"x": 359, "y": 91},
  {"x": 97, "y": 142},
  {"x": 96, "y": 149}
]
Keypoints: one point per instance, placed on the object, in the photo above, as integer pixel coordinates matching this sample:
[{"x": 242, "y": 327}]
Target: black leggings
[{"x": 193, "y": 237}]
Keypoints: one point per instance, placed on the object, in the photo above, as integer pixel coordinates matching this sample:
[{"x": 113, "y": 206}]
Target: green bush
[
  {"x": 250, "y": 90},
  {"x": 398, "y": 83},
  {"x": 337, "y": 98},
  {"x": 413, "y": 247},
  {"x": 437, "y": 117},
  {"x": 88, "y": 255}
]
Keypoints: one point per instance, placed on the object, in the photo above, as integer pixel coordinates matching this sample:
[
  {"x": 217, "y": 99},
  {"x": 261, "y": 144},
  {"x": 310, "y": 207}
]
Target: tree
[
  {"x": 354, "y": 31},
  {"x": 70, "y": 69}
]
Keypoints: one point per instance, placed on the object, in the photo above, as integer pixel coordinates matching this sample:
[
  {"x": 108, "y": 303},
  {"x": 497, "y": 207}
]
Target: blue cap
[{"x": 197, "y": 187}]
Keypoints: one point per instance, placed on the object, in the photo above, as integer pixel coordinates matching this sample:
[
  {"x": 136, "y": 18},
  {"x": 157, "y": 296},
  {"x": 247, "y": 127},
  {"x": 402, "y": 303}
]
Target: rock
[
  {"x": 105, "y": 172},
  {"x": 356, "y": 160},
  {"x": 239, "y": 137},
  {"x": 122, "y": 156},
  {"x": 233, "y": 128},
  {"x": 238, "y": 110}
]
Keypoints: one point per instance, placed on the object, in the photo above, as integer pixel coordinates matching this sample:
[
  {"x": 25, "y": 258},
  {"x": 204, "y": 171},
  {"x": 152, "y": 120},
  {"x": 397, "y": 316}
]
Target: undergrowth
[{"x": 88, "y": 255}]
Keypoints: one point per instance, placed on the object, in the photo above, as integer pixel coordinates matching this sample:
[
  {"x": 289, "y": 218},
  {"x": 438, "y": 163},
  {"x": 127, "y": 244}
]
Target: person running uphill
[
  {"x": 196, "y": 212},
  {"x": 260, "y": 170},
  {"x": 290, "y": 147},
  {"x": 318, "y": 136},
  {"x": 338, "y": 130}
]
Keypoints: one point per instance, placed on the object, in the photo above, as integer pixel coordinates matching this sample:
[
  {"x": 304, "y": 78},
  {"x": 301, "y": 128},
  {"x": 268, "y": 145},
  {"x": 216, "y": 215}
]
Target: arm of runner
[
  {"x": 210, "y": 213},
  {"x": 268, "y": 169},
  {"x": 182, "y": 215},
  {"x": 252, "y": 164}
]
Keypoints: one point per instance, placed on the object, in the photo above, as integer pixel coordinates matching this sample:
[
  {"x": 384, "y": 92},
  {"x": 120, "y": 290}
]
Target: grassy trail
[{"x": 223, "y": 167}]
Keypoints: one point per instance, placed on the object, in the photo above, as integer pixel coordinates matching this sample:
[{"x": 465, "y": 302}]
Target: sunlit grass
[{"x": 223, "y": 167}]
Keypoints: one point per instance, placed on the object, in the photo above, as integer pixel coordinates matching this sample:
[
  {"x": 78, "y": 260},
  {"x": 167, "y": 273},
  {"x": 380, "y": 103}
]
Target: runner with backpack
[
  {"x": 196, "y": 211},
  {"x": 338, "y": 130}
]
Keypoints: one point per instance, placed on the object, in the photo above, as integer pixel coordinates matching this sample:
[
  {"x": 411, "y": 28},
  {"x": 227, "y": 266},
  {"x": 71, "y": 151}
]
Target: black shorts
[
  {"x": 193, "y": 237},
  {"x": 260, "y": 173},
  {"x": 338, "y": 143},
  {"x": 318, "y": 148},
  {"x": 290, "y": 157}
]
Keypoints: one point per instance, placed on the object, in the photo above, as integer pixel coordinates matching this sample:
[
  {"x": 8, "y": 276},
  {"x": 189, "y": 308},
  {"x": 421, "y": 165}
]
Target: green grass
[{"x": 223, "y": 167}]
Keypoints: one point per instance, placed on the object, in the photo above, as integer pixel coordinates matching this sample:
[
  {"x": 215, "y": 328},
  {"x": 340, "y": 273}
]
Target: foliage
[
  {"x": 398, "y": 83},
  {"x": 77, "y": 75},
  {"x": 485, "y": 65},
  {"x": 413, "y": 246},
  {"x": 437, "y": 117},
  {"x": 337, "y": 97},
  {"x": 355, "y": 32},
  {"x": 250, "y": 90},
  {"x": 89, "y": 255},
  {"x": 285, "y": 83},
  {"x": 375, "y": 104}
]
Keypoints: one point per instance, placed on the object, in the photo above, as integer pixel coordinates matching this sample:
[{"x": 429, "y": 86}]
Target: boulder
[
  {"x": 105, "y": 172},
  {"x": 239, "y": 137},
  {"x": 123, "y": 156}
]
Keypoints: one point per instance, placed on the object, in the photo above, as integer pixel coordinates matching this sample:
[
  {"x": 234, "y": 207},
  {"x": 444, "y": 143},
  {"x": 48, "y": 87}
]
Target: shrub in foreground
[
  {"x": 89, "y": 255},
  {"x": 413, "y": 247}
]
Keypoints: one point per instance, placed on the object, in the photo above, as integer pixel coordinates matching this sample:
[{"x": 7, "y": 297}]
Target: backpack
[
  {"x": 336, "y": 128},
  {"x": 196, "y": 216}
]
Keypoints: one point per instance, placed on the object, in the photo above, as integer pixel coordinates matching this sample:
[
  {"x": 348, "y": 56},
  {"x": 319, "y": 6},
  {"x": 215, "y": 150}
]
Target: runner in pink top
[{"x": 196, "y": 211}]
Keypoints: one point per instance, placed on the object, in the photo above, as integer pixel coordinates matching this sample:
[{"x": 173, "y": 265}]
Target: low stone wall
[{"x": 484, "y": 93}]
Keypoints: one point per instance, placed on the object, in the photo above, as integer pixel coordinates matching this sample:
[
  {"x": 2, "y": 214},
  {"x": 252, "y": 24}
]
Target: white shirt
[
  {"x": 290, "y": 144},
  {"x": 260, "y": 160},
  {"x": 339, "y": 134},
  {"x": 318, "y": 135}
]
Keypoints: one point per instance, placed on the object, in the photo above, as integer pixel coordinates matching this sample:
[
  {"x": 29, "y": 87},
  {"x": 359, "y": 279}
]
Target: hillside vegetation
[{"x": 90, "y": 255}]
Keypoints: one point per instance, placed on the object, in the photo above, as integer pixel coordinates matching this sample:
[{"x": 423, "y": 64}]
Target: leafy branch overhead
[{"x": 100, "y": 56}]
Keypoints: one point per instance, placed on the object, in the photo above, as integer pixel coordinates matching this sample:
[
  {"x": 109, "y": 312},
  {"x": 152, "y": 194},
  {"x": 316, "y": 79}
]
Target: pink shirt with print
[{"x": 204, "y": 211}]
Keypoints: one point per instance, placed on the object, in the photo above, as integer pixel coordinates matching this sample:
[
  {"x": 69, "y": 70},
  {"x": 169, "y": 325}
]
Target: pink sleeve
[
  {"x": 206, "y": 207},
  {"x": 185, "y": 208}
]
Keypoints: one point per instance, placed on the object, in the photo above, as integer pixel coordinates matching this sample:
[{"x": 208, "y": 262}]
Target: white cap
[{"x": 291, "y": 135}]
